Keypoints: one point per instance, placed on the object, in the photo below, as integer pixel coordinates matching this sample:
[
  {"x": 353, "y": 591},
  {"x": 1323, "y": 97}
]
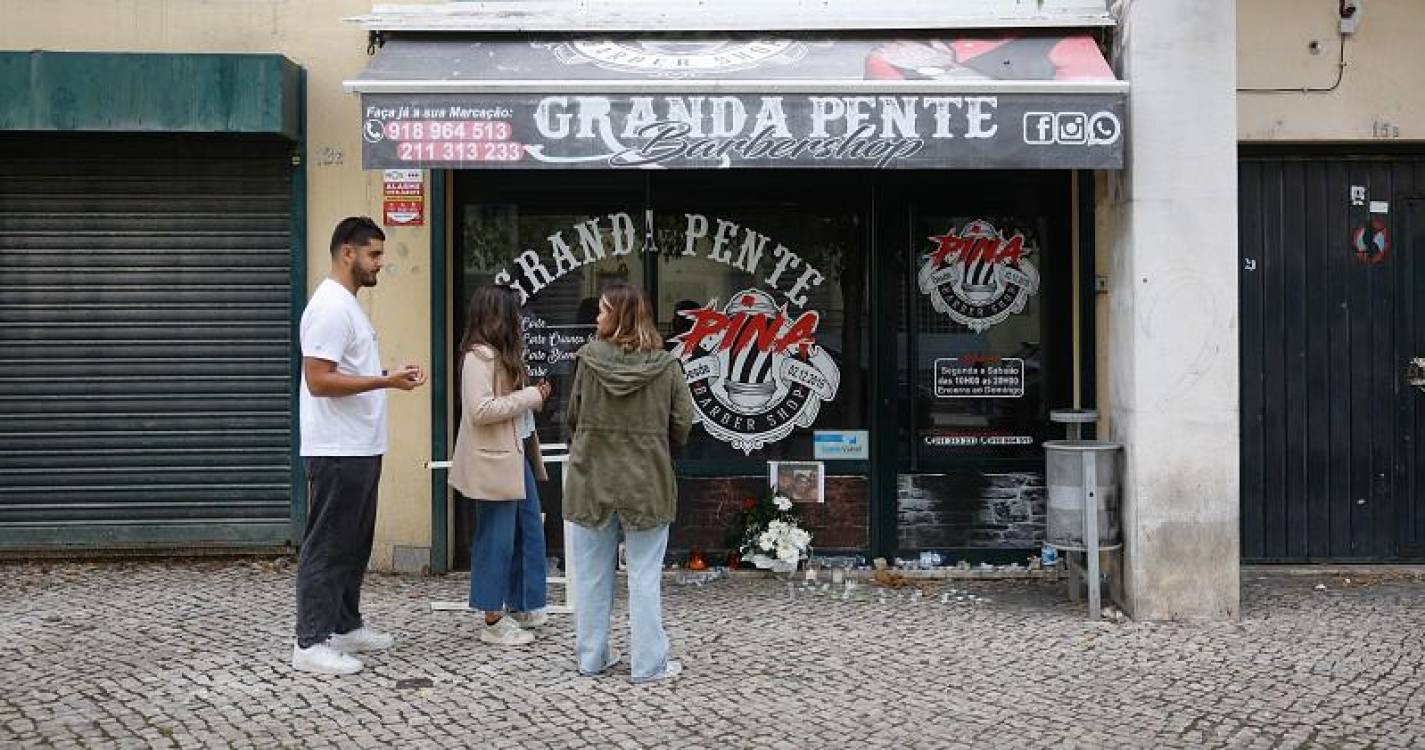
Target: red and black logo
[
  {"x": 755, "y": 371},
  {"x": 977, "y": 276}
]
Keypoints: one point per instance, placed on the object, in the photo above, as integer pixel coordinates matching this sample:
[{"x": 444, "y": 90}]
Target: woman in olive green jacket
[{"x": 629, "y": 401}]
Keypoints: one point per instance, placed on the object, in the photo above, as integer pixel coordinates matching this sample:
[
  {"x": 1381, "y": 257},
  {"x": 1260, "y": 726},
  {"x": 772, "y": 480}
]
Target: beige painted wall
[
  {"x": 1381, "y": 96},
  {"x": 312, "y": 34}
]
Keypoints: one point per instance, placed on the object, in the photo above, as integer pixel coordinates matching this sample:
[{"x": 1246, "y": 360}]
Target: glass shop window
[
  {"x": 538, "y": 248},
  {"x": 764, "y": 301},
  {"x": 765, "y": 306}
]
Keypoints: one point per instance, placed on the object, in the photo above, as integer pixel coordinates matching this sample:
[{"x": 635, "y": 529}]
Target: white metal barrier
[{"x": 553, "y": 453}]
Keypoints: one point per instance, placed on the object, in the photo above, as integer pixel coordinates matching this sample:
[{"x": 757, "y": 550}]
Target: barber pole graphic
[
  {"x": 977, "y": 276},
  {"x": 754, "y": 369}
]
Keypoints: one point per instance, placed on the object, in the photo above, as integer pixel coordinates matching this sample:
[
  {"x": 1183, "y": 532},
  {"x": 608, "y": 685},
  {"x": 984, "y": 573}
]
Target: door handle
[{"x": 1415, "y": 372}]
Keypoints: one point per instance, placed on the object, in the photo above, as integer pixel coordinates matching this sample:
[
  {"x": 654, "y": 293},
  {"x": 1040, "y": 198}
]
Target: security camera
[{"x": 1350, "y": 15}]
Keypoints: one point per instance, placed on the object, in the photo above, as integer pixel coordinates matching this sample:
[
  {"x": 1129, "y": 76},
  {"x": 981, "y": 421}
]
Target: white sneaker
[
  {"x": 323, "y": 659},
  {"x": 506, "y": 632},
  {"x": 670, "y": 670},
  {"x": 361, "y": 639},
  {"x": 531, "y": 619}
]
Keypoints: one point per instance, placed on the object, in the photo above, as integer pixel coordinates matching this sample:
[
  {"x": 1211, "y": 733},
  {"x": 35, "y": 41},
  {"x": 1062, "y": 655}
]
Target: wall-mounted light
[{"x": 1350, "y": 15}]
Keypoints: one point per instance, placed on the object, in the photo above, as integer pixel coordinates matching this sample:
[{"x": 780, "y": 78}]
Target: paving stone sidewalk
[{"x": 195, "y": 654}]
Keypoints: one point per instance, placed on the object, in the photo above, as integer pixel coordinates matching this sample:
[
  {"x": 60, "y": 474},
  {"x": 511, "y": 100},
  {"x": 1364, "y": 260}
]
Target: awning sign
[
  {"x": 564, "y": 131},
  {"x": 1021, "y": 101}
]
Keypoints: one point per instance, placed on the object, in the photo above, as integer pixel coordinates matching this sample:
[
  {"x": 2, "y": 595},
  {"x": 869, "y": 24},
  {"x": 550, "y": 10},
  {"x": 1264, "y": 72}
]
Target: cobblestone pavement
[{"x": 193, "y": 654}]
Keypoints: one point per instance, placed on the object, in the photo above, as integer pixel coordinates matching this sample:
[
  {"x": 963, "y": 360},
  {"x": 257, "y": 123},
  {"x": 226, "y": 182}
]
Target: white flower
[
  {"x": 782, "y": 502},
  {"x": 782, "y": 541}
]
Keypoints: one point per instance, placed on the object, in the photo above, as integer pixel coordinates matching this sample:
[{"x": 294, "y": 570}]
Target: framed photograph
[{"x": 801, "y": 481}]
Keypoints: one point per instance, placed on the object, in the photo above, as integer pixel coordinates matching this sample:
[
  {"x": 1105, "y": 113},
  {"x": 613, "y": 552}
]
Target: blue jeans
[
  {"x": 507, "y": 566},
  {"x": 594, "y": 554}
]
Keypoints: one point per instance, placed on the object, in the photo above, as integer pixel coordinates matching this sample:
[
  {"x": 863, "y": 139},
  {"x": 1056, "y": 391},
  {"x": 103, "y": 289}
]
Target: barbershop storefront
[{"x": 872, "y": 254}]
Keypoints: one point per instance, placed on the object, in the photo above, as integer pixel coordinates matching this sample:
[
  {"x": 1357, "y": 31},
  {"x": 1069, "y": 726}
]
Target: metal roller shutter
[{"x": 144, "y": 341}]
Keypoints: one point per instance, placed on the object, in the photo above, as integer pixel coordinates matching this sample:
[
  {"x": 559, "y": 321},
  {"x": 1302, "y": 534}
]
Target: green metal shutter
[{"x": 144, "y": 341}]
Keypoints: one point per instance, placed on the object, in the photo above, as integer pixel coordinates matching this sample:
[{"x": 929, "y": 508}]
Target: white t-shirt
[{"x": 335, "y": 328}]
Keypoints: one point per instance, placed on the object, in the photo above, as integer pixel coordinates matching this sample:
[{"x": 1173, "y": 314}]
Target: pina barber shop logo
[
  {"x": 977, "y": 276},
  {"x": 676, "y": 58},
  {"x": 754, "y": 368},
  {"x": 755, "y": 371}
]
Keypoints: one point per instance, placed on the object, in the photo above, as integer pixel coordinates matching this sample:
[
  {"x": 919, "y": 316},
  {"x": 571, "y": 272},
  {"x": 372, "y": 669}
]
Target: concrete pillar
[{"x": 1172, "y": 343}]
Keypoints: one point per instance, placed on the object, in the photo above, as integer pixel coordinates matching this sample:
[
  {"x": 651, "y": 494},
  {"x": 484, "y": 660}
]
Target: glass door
[{"x": 983, "y": 325}]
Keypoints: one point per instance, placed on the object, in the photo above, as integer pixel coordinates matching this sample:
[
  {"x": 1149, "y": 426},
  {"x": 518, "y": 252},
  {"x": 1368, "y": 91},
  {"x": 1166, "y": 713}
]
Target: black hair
[
  {"x": 587, "y": 312},
  {"x": 357, "y": 231}
]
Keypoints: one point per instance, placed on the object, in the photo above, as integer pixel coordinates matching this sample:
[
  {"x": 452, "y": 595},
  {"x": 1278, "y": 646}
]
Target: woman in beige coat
[{"x": 496, "y": 464}]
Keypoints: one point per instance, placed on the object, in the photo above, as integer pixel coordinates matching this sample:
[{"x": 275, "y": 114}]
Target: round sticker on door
[{"x": 1372, "y": 244}]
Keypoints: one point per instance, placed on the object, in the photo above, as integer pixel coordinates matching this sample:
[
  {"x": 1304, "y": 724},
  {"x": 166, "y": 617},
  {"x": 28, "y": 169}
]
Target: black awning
[{"x": 1021, "y": 101}]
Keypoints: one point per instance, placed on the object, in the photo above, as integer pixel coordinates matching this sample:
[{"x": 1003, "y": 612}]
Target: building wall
[
  {"x": 1384, "y": 62},
  {"x": 312, "y": 34},
  {"x": 1378, "y": 98},
  {"x": 1172, "y": 333}
]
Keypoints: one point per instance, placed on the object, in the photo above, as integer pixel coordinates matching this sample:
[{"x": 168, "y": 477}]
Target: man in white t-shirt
[{"x": 343, "y": 410}]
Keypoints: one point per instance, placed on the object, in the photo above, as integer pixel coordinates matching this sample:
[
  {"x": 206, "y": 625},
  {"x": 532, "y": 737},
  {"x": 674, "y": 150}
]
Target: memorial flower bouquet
[{"x": 768, "y": 533}]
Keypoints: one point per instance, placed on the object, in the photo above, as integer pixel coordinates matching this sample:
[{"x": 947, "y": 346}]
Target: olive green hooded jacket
[{"x": 625, "y": 409}]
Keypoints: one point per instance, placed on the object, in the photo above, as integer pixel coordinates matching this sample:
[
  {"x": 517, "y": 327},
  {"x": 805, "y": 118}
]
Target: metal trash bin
[
  {"x": 1083, "y": 475},
  {"x": 1064, "y": 475}
]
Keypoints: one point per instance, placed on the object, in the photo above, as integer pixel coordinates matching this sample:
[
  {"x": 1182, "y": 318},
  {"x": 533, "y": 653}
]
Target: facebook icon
[{"x": 1039, "y": 128}]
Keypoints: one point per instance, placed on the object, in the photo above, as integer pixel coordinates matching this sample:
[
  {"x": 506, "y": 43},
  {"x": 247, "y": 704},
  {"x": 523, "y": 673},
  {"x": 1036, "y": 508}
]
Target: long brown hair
[
  {"x": 493, "y": 319},
  {"x": 630, "y": 319}
]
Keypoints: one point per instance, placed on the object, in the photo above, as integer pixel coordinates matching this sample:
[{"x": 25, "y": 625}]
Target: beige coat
[{"x": 488, "y": 463}]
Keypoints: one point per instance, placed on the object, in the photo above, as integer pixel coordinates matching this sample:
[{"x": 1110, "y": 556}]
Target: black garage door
[
  {"x": 145, "y": 372},
  {"x": 1333, "y": 435}
]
